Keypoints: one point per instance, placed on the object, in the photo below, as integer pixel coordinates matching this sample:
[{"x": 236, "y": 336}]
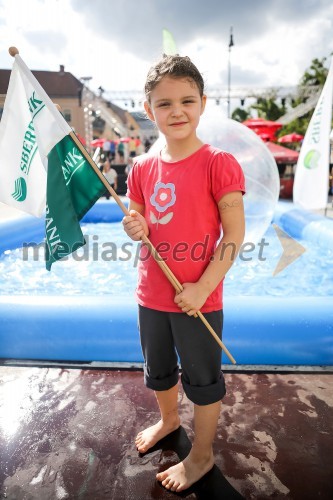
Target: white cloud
[
  {"x": 284, "y": 54},
  {"x": 274, "y": 52},
  {"x": 49, "y": 33}
]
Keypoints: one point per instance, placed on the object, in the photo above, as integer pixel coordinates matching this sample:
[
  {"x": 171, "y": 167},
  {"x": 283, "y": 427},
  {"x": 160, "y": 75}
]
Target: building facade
[{"x": 87, "y": 113}]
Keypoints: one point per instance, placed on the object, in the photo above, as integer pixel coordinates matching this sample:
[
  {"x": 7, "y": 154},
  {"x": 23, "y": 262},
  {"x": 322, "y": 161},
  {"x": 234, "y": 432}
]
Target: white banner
[
  {"x": 28, "y": 131},
  {"x": 312, "y": 171}
]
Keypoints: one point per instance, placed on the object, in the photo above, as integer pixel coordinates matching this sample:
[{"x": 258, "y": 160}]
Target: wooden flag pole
[{"x": 166, "y": 270}]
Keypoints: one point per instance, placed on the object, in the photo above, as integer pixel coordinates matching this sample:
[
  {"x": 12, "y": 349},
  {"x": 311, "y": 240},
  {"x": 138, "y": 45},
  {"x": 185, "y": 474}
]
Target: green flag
[
  {"x": 169, "y": 44},
  {"x": 42, "y": 169},
  {"x": 72, "y": 189}
]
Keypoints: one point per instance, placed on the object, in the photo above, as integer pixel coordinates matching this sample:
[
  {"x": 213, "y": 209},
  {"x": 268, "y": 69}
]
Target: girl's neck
[{"x": 178, "y": 150}]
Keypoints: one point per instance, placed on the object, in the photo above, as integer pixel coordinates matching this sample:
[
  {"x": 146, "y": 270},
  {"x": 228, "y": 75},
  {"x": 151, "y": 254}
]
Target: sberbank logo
[
  {"x": 311, "y": 159},
  {"x": 20, "y": 190}
]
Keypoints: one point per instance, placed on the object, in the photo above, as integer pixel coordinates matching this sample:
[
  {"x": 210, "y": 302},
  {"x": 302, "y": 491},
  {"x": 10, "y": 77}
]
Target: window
[{"x": 67, "y": 115}]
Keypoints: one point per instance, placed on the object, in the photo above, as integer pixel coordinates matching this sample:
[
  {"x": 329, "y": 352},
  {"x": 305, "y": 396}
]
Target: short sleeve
[
  {"x": 134, "y": 191},
  {"x": 226, "y": 175}
]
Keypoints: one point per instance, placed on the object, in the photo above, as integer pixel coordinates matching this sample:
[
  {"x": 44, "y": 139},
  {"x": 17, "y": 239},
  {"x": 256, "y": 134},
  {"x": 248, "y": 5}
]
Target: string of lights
[{"x": 135, "y": 98}]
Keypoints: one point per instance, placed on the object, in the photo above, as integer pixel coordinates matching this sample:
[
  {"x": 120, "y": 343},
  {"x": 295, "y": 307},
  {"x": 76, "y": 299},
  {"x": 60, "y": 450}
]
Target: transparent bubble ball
[{"x": 262, "y": 181}]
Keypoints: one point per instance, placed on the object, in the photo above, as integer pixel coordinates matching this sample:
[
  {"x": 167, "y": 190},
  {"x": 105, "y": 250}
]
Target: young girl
[{"x": 179, "y": 198}]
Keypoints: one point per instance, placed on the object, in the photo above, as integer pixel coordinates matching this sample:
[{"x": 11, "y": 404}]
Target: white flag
[
  {"x": 312, "y": 171},
  {"x": 26, "y": 137}
]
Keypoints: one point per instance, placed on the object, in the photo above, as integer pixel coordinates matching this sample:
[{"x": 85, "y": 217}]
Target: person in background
[
  {"x": 147, "y": 145},
  {"x": 111, "y": 176},
  {"x": 121, "y": 152},
  {"x": 139, "y": 146},
  {"x": 106, "y": 148},
  {"x": 129, "y": 165},
  {"x": 132, "y": 147},
  {"x": 112, "y": 150}
]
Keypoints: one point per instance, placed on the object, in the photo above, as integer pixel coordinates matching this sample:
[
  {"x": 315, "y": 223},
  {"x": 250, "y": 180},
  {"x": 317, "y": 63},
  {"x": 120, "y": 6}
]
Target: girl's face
[{"x": 176, "y": 106}]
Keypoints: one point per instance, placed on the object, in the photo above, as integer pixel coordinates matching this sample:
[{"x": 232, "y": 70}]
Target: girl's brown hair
[{"x": 174, "y": 67}]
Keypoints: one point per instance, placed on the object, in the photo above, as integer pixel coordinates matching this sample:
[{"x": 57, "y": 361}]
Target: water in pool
[{"x": 107, "y": 265}]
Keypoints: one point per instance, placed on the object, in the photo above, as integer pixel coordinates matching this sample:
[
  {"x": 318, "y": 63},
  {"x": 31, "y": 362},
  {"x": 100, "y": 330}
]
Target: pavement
[{"x": 69, "y": 434}]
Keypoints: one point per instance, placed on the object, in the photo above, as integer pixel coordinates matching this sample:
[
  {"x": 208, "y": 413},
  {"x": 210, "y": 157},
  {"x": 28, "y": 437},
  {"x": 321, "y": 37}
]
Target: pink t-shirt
[{"x": 181, "y": 210}]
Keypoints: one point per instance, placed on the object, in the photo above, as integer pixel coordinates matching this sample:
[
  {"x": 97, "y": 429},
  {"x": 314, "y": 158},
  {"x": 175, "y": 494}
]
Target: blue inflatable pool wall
[{"x": 257, "y": 330}]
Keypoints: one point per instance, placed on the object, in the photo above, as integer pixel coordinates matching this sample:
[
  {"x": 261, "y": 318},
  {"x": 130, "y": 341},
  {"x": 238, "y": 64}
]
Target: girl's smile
[{"x": 178, "y": 124}]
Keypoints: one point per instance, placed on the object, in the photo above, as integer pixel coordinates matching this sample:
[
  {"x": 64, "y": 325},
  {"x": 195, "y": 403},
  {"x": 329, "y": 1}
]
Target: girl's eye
[
  {"x": 163, "y": 104},
  {"x": 188, "y": 101}
]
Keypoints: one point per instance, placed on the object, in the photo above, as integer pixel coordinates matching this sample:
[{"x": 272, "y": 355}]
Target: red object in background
[
  {"x": 97, "y": 143},
  {"x": 285, "y": 159},
  {"x": 265, "y": 137},
  {"x": 261, "y": 122},
  {"x": 81, "y": 139},
  {"x": 286, "y": 187},
  {"x": 289, "y": 138},
  {"x": 283, "y": 155},
  {"x": 261, "y": 127}
]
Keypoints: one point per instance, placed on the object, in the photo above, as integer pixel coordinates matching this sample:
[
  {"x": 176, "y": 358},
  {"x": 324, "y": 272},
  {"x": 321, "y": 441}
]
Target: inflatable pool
[{"x": 263, "y": 330}]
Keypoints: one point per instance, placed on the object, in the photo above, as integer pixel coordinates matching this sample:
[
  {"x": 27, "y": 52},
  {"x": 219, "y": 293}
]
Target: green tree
[
  {"x": 312, "y": 80},
  {"x": 268, "y": 108},
  {"x": 240, "y": 114},
  {"x": 315, "y": 75},
  {"x": 299, "y": 125}
]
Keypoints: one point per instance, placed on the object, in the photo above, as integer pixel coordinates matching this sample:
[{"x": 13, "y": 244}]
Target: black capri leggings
[{"x": 165, "y": 336}]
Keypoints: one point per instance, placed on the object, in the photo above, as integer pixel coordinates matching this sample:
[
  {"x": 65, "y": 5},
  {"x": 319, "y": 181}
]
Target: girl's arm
[
  {"x": 231, "y": 211},
  {"x": 232, "y": 217},
  {"x": 135, "y": 225}
]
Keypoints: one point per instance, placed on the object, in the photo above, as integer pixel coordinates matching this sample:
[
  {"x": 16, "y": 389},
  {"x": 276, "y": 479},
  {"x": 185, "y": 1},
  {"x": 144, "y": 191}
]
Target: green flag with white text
[
  {"x": 72, "y": 189},
  {"x": 42, "y": 171}
]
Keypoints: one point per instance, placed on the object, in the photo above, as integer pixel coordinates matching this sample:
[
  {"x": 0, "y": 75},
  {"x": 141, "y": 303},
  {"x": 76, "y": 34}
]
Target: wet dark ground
[{"x": 68, "y": 434}]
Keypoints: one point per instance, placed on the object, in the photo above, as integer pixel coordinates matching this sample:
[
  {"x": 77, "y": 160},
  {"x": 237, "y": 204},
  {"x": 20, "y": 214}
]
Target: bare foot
[
  {"x": 181, "y": 476},
  {"x": 150, "y": 436}
]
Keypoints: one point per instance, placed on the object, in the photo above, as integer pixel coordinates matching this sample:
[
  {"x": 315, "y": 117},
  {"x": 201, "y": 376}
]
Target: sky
[{"x": 116, "y": 41}]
